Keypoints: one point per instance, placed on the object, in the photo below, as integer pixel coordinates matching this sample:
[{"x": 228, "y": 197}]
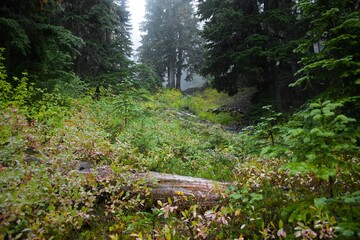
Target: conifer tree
[
  {"x": 171, "y": 43},
  {"x": 333, "y": 70},
  {"x": 33, "y": 43},
  {"x": 104, "y": 27},
  {"x": 250, "y": 43}
]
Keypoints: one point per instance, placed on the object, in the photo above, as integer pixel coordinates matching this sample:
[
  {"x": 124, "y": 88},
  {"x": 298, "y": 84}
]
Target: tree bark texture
[
  {"x": 204, "y": 191},
  {"x": 171, "y": 72},
  {"x": 179, "y": 69},
  {"x": 163, "y": 186}
]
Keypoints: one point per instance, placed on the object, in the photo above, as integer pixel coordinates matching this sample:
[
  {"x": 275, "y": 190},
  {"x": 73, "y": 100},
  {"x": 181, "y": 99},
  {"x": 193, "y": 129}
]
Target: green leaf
[
  {"x": 315, "y": 112},
  {"x": 306, "y": 140},
  {"x": 256, "y": 197},
  {"x": 236, "y": 196},
  {"x": 325, "y": 172},
  {"x": 281, "y": 224},
  {"x": 316, "y": 132},
  {"x": 311, "y": 157},
  {"x": 320, "y": 202}
]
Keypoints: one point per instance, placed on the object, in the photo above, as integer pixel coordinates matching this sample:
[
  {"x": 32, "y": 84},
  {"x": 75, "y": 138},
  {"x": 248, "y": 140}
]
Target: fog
[{"x": 137, "y": 11}]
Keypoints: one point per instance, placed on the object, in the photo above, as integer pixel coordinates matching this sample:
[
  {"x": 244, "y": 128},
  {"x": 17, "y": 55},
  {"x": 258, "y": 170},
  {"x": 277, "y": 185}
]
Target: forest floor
[{"x": 126, "y": 135}]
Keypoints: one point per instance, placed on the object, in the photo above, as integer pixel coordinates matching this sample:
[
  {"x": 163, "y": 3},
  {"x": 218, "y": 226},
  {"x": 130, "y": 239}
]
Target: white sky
[{"x": 137, "y": 11}]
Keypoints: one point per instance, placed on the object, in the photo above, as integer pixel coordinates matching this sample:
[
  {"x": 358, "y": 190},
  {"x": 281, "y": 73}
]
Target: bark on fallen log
[
  {"x": 163, "y": 186},
  {"x": 204, "y": 191}
]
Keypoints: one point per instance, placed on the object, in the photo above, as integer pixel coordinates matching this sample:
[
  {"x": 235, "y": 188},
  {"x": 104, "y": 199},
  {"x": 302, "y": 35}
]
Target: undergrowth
[{"x": 297, "y": 180}]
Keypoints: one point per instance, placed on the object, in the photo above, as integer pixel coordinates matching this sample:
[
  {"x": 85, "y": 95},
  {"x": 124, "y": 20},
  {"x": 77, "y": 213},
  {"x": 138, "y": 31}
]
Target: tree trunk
[
  {"x": 171, "y": 73},
  {"x": 179, "y": 69},
  {"x": 163, "y": 186},
  {"x": 204, "y": 191}
]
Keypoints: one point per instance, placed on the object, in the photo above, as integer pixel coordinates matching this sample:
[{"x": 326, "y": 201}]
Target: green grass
[{"x": 170, "y": 140}]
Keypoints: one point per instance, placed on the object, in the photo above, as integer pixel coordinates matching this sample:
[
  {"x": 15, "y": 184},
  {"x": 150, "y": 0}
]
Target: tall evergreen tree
[
  {"x": 334, "y": 69},
  {"x": 34, "y": 43},
  {"x": 250, "y": 43},
  {"x": 104, "y": 27},
  {"x": 171, "y": 43}
]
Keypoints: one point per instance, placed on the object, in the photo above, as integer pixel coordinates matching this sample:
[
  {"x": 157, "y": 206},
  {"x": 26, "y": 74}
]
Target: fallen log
[
  {"x": 189, "y": 189},
  {"x": 163, "y": 186}
]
